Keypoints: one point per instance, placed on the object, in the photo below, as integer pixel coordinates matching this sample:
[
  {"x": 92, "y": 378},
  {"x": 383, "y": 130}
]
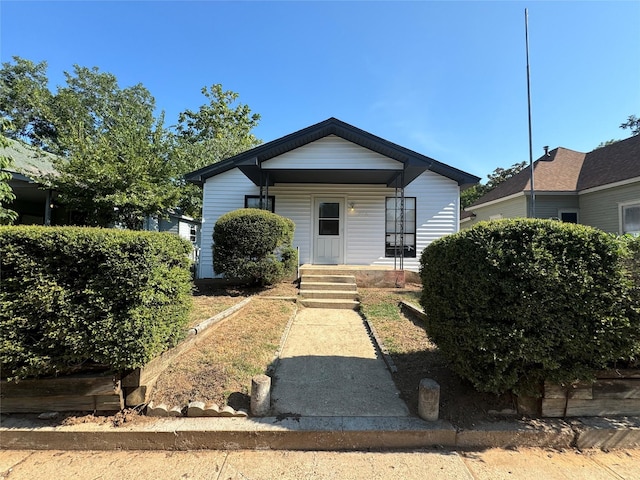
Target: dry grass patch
[
  {"x": 416, "y": 357},
  {"x": 220, "y": 368}
]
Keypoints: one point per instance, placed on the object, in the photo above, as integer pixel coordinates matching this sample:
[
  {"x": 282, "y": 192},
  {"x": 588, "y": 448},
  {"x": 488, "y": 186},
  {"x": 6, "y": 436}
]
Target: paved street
[{"x": 494, "y": 464}]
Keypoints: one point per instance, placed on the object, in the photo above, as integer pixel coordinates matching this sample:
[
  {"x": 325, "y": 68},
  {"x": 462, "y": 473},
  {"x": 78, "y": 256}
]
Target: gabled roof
[
  {"x": 250, "y": 161},
  {"x": 565, "y": 170}
]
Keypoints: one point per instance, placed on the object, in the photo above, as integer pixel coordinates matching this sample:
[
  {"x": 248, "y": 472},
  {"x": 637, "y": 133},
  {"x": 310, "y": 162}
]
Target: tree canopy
[
  {"x": 7, "y": 216},
  {"x": 495, "y": 178},
  {"x": 118, "y": 162},
  {"x": 219, "y": 129}
]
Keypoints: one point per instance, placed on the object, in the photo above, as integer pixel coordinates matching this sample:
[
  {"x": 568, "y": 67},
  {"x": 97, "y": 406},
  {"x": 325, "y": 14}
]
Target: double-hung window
[
  {"x": 630, "y": 218},
  {"x": 395, "y": 245},
  {"x": 253, "y": 201}
]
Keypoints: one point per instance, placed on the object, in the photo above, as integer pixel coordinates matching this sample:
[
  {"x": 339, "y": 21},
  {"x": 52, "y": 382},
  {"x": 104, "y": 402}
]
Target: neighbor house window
[
  {"x": 630, "y": 218},
  {"x": 253, "y": 201},
  {"x": 193, "y": 233},
  {"x": 393, "y": 240},
  {"x": 568, "y": 216}
]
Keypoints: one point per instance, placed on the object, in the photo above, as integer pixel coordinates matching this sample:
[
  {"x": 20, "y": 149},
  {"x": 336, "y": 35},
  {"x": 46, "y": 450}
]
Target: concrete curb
[{"x": 318, "y": 433}]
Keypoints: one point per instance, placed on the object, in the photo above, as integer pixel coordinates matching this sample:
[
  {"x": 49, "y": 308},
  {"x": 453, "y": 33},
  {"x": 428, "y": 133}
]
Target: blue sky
[{"x": 446, "y": 79}]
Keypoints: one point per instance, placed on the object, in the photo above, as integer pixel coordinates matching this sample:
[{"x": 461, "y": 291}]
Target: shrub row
[
  {"x": 514, "y": 302},
  {"x": 254, "y": 245},
  {"x": 71, "y": 297}
]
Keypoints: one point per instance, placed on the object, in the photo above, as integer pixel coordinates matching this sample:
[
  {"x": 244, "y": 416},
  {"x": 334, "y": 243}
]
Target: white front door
[{"x": 328, "y": 240}]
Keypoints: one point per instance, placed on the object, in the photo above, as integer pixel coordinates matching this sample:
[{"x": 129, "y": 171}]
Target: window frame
[
  {"x": 271, "y": 199},
  {"x": 621, "y": 208},
  {"x": 410, "y": 250},
  {"x": 568, "y": 210}
]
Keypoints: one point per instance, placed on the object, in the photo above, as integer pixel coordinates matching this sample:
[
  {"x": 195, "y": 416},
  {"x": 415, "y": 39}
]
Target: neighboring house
[
  {"x": 175, "y": 222},
  {"x": 34, "y": 201},
  {"x": 600, "y": 188},
  {"x": 36, "y": 204},
  {"x": 345, "y": 189}
]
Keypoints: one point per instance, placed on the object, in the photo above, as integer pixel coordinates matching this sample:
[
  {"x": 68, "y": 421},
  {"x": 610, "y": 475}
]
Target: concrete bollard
[
  {"x": 260, "y": 395},
  {"x": 429, "y": 400}
]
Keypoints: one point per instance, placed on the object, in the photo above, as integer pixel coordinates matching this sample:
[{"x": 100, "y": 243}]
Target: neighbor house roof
[
  {"x": 250, "y": 161},
  {"x": 564, "y": 170},
  {"x": 28, "y": 161},
  {"x": 611, "y": 164}
]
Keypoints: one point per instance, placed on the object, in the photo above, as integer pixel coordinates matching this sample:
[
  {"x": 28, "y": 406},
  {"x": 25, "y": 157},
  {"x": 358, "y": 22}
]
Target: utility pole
[{"x": 533, "y": 192}]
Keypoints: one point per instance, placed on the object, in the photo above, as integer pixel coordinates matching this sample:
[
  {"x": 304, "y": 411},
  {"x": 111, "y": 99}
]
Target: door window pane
[
  {"x": 329, "y": 218},
  {"x": 329, "y": 227},
  {"x": 329, "y": 210}
]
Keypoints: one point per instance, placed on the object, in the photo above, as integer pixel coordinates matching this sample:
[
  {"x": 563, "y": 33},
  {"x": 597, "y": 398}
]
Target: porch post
[
  {"x": 402, "y": 223},
  {"x": 47, "y": 208}
]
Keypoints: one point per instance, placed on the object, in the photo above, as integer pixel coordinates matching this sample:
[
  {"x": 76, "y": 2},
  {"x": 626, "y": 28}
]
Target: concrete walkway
[{"x": 330, "y": 367}]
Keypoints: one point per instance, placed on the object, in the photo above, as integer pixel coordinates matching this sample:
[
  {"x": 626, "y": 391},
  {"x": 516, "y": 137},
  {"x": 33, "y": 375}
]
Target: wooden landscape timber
[
  {"x": 138, "y": 384},
  {"x": 62, "y": 394},
  {"x": 613, "y": 393},
  {"x": 105, "y": 393}
]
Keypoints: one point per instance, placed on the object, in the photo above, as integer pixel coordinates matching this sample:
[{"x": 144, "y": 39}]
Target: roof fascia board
[
  {"x": 493, "y": 202},
  {"x": 332, "y": 126},
  {"x": 621, "y": 183}
]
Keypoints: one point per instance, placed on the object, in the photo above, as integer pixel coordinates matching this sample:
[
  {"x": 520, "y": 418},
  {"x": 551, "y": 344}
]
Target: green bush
[
  {"x": 255, "y": 246},
  {"x": 76, "y": 296},
  {"x": 512, "y": 303}
]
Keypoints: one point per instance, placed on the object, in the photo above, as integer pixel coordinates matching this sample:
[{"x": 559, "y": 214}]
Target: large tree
[
  {"x": 495, "y": 178},
  {"x": 114, "y": 159},
  {"x": 219, "y": 129},
  {"x": 25, "y": 100},
  {"x": 118, "y": 161},
  {"x": 7, "y": 216}
]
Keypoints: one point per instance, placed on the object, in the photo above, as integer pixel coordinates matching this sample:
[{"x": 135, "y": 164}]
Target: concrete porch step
[
  {"x": 330, "y": 303},
  {"x": 329, "y": 291},
  {"x": 328, "y": 278},
  {"x": 343, "y": 287},
  {"x": 335, "y": 294}
]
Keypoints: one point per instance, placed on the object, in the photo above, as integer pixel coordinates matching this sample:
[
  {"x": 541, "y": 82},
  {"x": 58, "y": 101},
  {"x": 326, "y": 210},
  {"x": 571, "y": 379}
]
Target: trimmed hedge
[
  {"x": 255, "y": 246},
  {"x": 512, "y": 303},
  {"x": 77, "y": 296}
]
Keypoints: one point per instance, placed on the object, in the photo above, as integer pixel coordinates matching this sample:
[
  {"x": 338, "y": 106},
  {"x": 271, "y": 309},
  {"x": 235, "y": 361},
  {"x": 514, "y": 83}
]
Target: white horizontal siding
[
  {"x": 221, "y": 194},
  {"x": 332, "y": 152},
  {"x": 296, "y": 205},
  {"x": 437, "y": 213},
  {"x": 364, "y": 238}
]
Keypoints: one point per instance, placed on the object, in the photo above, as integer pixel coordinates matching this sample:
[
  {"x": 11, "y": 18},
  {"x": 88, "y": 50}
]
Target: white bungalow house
[{"x": 347, "y": 192}]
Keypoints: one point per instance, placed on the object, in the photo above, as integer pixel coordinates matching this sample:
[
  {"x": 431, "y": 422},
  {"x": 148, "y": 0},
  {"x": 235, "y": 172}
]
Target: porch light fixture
[{"x": 352, "y": 206}]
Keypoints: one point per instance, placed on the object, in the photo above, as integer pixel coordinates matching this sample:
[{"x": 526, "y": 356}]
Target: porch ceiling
[{"x": 389, "y": 178}]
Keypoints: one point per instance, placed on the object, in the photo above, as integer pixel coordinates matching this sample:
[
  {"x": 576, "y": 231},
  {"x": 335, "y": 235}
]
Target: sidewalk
[
  {"x": 329, "y": 367},
  {"x": 533, "y": 464}
]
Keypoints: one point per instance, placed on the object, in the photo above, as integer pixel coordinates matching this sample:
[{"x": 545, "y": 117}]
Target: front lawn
[{"x": 416, "y": 357}]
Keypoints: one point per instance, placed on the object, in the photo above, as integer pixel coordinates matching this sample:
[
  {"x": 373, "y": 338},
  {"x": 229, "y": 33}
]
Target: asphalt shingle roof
[
  {"x": 565, "y": 170},
  {"x": 27, "y": 160}
]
